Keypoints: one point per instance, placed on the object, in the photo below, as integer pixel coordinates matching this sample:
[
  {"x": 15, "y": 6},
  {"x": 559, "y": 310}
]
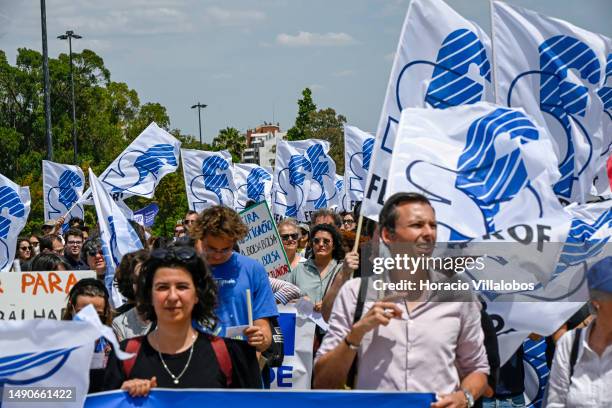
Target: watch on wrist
[
  {"x": 469, "y": 398},
  {"x": 351, "y": 345}
]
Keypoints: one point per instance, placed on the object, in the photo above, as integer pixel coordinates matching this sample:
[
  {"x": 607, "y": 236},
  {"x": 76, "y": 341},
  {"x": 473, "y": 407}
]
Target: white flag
[
  {"x": 441, "y": 61},
  {"x": 51, "y": 353},
  {"x": 209, "y": 178},
  {"x": 141, "y": 166},
  {"x": 358, "y": 146},
  {"x": 340, "y": 202},
  {"x": 556, "y": 72},
  {"x": 481, "y": 161},
  {"x": 304, "y": 178},
  {"x": 14, "y": 210},
  {"x": 253, "y": 183},
  {"x": 118, "y": 236},
  {"x": 63, "y": 185}
]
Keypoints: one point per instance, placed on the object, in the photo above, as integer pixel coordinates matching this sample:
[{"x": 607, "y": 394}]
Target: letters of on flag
[
  {"x": 140, "y": 167},
  {"x": 481, "y": 161},
  {"x": 63, "y": 185},
  {"x": 441, "y": 61},
  {"x": 209, "y": 178},
  {"x": 253, "y": 183},
  {"x": 358, "y": 146},
  {"x": 51, "y": 353},
  {"x": 556, "y": 72},
  {"x": 305, "y": 177},
  {"x": 14, "y": 210},
  {"x": 117, "y": 234}
]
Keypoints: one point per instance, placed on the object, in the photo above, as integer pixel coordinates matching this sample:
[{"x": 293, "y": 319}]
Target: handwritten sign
[
  {"x": 37, "y": 295},
  {"x": 262, "y": 241}
]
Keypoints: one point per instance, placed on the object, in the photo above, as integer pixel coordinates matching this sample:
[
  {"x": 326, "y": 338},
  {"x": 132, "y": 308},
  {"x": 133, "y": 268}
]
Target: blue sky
[{"x": 250, "y": 60}]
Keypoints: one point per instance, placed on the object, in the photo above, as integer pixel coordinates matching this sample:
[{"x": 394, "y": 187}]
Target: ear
[{"x": 386, "y": 235}]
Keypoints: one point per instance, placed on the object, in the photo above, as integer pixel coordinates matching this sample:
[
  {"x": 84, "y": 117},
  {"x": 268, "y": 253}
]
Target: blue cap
[{"x": 599, "y": 276}]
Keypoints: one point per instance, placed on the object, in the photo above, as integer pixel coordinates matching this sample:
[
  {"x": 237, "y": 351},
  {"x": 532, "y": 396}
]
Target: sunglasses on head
[
  {"x": 181, "y": 253},
  {"x": 323, "y": 241},
  {"x": 287, "y": 237}
]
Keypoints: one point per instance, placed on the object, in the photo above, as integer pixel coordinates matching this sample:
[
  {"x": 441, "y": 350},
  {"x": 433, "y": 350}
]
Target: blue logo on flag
[
  {"x": 296, "y": 181},
  {"x": 147, "y": 164},
  {"x": 320, "y": 164},
  {"x": 214, "y": 179},
  {"x": 11, "y": 208},
  {"x": 256, "y": 184},
  {"x": 64, "y": 193},
  {"x": 355, "y": 183},
  {"x": 28, "y": 368}
]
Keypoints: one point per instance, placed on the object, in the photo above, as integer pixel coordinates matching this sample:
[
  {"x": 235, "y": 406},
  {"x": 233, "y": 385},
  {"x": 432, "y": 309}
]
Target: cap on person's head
[
  {"x": 305, "y": 227},
  {"x": 599, "y": 277},
  {"x": 48, "y": 225}
]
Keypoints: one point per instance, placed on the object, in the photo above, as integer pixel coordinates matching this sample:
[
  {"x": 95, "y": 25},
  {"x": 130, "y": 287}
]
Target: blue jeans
[{"x": 510, "y": 402}]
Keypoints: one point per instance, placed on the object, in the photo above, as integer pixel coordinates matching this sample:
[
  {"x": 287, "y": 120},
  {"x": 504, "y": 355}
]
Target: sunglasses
[
  {"x": 26, "y": 248},
  {"x": 181, "y": 253},
  {"x": 287, "y": 237},
  {"x": 94, "y": 252},
  {"x": 348, "y": 221},
  {"x": 322, "y": 241},
  {"x": 35, "y": 243},
  {"x": 188, "y": 222}
]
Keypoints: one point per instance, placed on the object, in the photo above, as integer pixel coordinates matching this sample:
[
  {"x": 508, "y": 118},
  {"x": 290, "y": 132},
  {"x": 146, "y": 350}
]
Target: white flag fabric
[
  {"x": 51, "y": 353},
  {"x": 14, "y": 211},
  {"x": 339, "y": 203},
  {"x": 63, "y": 185},
  {"x": 253, "y": 183},
  {"x": 117, "y": 234},
  {"x": 481, "y": 161},
  {"x": 141, "y": 166},
  {"x": 304, "y": 178},
  {"x": 556, "y": 72},
  {"x": 441, "y": 61},
  {"x": 209, "y": 178},
  {"x": 358, "y": 146}
]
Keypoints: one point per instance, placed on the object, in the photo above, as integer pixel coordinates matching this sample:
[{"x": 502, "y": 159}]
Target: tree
[
  {"x": 325, "y": 124},
  {"x": 231, "y": 140},
  {"x": 305, "y": 107}
]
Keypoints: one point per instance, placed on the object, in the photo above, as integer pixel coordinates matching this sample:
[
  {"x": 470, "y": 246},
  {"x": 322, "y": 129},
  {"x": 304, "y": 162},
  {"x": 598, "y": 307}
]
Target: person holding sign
[
  {"x": 178, "y": 294},
  {"x": 216, "y": 231}
]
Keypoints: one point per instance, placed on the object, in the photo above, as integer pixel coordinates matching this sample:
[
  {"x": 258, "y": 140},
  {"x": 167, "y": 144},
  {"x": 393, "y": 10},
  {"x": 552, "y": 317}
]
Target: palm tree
[{"x": 230, "y": 139}]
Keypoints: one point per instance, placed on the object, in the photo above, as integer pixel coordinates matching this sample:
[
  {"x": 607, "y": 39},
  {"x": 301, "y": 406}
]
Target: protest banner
[
  {"x": 242, "y": 398},
  {"x": 298, "y": 335},
  {"x": 14, "y": 211},
  {"x": 146, "y": 215},
  {"x": 263, "y": 242},
  {"x": 63, "y": 185},
  {"x": 37, "y": 295}
]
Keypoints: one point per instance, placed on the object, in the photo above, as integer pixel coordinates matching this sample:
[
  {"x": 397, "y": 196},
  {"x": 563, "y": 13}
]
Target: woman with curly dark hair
[
  {"x": 177, "y": 293},
  {"x": 314, "y": 276}
]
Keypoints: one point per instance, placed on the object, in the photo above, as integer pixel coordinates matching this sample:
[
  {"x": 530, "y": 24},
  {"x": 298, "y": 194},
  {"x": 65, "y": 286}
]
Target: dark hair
[
  {"x": 76, "y": 222},
  {"x": 125, "y": 276},
  {"x": 20, "y": 240},
  {"x": 75, "y": 232},
  {"x": 90, "y": 246},
  {"x": 338, "y": 251},
  {"x": 325, "y": 212},
  {"x": 388, "y": 214},
  {"x": 46, "y": 242},
  {"x": 87, "y": 287},
  {"x": 158, "y": 242},
  {"x": 48, "y": 261},
  {"x": 179, "y": 257}
]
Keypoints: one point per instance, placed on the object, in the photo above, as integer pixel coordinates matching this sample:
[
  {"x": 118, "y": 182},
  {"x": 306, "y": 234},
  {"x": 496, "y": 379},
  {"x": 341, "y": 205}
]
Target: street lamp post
[
  {"x": 47, "y": 91},
  {"x": 69, "y": 36},
  {"x": 200, "y": 106}
]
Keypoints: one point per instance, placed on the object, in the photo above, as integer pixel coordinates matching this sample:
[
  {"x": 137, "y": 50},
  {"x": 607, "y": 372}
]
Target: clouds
[
  {"x": 308, "y": 39},
  {"x": 227, "y": 17}
]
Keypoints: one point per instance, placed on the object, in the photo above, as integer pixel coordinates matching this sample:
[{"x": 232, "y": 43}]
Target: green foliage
[
  {"x": 230, "y": 139},
  {"x": 305, "y": 107}
]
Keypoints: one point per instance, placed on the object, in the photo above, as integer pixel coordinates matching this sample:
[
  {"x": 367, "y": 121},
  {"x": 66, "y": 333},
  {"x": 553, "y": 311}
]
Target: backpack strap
[
  {"x": 223, "y": 357},
  {"x": 133, "y": 346},
  {"x": 574, "y": 353}
]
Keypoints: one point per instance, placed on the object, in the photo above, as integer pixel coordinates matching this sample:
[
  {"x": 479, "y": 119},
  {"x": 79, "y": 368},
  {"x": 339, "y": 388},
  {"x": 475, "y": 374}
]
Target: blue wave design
[
  {"x": 21, "y": 363},
  {"x": 450, "y": 84},
  {"x": 367, "y": 148},
  {"x": 66, "y": 183},
  {"x": 214, "y": 181},
  {"x": 255, "y": 183},
  {"x": 319, "y": 161},
  {"x": 297, "y": 178},
  {"x": 563, "y": 98},
  {"x": 9, "y": 198},
  {"x": 605, "y": 93},
  {"x": 487, "y": 178}
]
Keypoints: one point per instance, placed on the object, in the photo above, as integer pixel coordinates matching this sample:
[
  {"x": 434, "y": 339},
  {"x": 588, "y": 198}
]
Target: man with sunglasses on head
[
  {"x": 190, "y": 219},
  {"x": 92, "y": 254},
  {"x": 217, "y": 231},
  {"x": 72, "y": 250}
]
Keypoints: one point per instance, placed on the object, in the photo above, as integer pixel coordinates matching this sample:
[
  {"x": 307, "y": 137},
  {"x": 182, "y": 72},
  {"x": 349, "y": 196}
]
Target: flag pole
[{"x": 358, "y": 233}]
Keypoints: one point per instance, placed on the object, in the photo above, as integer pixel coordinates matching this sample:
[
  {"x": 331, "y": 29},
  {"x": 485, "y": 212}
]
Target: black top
[
  {"x": 76, "y": 264},
  {"x": 203, "y": 370}
]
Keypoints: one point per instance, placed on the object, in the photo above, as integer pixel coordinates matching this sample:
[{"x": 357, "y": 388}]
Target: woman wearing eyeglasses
[
  {"x": 177, "y": 293},
  {"x": 24, "y": 251},
  {"x": 94, "y": 258},
  {"x": 290, "y": 235},
  {"x": 314, "y": 276}
]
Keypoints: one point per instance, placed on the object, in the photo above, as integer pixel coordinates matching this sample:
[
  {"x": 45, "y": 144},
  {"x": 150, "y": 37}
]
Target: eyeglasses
[
  {"x": 181, "y": 253},
  {"x": 179, "y": 231},
  {"x": 287, "y": 237},
  {"x": 188, "y": 222},
  {"x": 322, "y": 241},
  {"x": 94, "y": 252},
  {"x": 34, "y": 244},
  {"x": 348, "y": 221},
  {"x": 223, "y": 251},
  {"x": 25, "y": 248},
  {"x": 76, "y": 243}
]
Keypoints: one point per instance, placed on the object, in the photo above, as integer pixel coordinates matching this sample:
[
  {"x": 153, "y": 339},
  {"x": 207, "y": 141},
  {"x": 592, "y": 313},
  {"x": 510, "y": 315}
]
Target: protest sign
[
  {"x": 34, "y": 295},
  {"x": 262, "y": 241},
  {"x": 146, "y": 216},
  {"x": 298, "y": 335}
]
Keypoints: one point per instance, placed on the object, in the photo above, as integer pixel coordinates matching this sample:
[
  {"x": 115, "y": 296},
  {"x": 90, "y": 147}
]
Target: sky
[{"x": 249, "y": 60}]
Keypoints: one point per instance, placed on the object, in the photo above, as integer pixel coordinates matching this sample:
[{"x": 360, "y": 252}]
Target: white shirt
[{"x": 592, "y": 380}]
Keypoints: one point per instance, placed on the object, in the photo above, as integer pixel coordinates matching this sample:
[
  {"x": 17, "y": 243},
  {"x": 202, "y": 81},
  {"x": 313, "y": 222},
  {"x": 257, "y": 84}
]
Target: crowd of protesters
[{"x": 183, "y": 295}]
